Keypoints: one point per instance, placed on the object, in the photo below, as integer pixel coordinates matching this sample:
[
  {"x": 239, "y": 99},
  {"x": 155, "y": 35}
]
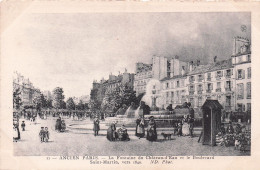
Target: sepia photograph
[{"x": 131, "y": 84}]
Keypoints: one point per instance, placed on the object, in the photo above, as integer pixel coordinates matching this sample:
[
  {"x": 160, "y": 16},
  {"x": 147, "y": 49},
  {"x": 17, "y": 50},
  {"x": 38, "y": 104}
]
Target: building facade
[
  {"x": 25, "y": 86},
  {"x": 241, "y": 59},
  {"x": 228, "y": 81},
  {"x": 161, "y": 67},
  {"x": 143, "y": 75},
  {"x": 100, "y": 88}
]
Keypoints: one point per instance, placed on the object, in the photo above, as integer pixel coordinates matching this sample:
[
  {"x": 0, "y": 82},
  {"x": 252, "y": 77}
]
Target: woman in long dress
[
  {"x": 122, "y": 134},
  {"x": 111, "y": 132},
  {"x": 140, "y": 127},
  {"x": 96, "y": 126},
  {"x": 185, "y": 126},
  {"x": 151, "y": 130}
]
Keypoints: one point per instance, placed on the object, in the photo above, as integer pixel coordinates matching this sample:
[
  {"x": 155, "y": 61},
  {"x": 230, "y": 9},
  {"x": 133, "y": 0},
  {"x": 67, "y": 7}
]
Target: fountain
[{"x": 149, "y": 100}]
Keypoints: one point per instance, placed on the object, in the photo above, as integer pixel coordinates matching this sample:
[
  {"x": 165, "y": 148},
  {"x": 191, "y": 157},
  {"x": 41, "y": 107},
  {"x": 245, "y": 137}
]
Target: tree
[
  {"x": 128, "y": 95},
  {"x": 121, "y": 96},
  {"x": 58, "y": 98},
  {"x": 39, "y": 102},
  {"x": 17, "y": 101},
  {"x": 49, "y": 103},
  {"x": 70, "y": 104},
  {"x": 80, "y": 105}
]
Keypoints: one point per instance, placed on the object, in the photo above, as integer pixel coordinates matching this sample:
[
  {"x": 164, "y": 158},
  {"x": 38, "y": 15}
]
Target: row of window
[
  {"x": 175, "y": 84},
  {"x": 241, "y": 73},
  {"x": 209, "y": 86},
  {"x": 143, "y": 75},
  {"x": 141, "y": 82},
  {"x": 241, "y": 91}
]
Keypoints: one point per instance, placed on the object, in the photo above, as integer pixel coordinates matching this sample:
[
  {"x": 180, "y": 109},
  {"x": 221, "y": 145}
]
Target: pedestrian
[
  {"x": 46, "y": 135},
  {"x": 151, "y": 130},
  {"x": 62, "y": 126},
  {"x": 230, "y": 128},
  {"x": 222, "y": 129},
  {"x": 96, "y": 126},
  {"x": 122, "y": 134},
  {"x": 58, "y": 124},
  {"x": 111, "y": 132},
  {"x": 23, "y": 125},
  {"x": 179, "y": 129},
  {"x": 185, "y": 126},
  {"x": 42, "y": 134},
  {"x": 140, "y": 132},
  {"x": 191, "y": 125}
]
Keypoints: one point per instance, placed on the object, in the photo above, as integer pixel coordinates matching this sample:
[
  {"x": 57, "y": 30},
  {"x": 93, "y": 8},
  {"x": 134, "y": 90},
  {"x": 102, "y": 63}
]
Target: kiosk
[{"x": 211, "y": 121}]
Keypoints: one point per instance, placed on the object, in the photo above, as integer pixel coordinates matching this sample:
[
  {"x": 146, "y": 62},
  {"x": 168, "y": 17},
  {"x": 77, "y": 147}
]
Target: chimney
[
  {"x": 215, "y": 59},
  {"x": 183, "y": 70},
  {"x": 191, "y": 66}
]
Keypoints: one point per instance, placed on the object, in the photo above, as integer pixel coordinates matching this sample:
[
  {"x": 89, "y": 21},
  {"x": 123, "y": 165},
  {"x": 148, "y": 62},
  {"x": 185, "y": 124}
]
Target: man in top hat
[
  {"x": 42, "y": 134},
  {"x": 96, "y": 127},
  {"x": 23, "y": 125}
]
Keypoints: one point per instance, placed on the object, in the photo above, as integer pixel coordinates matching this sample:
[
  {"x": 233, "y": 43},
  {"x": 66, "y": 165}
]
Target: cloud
[{"x": 70, "y": 50}]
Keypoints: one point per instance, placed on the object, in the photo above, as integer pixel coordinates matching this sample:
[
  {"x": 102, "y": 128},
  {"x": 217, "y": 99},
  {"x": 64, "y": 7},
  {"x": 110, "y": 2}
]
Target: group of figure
[
  {"x": 230, "y": 136},
  {"x": 185, "y": 128},
  {"x": 151, "y": 129},
  {"x": 44, "y": 134},
  {"x": 120, "y": 134},
  {"x": 60, "y": 125}
]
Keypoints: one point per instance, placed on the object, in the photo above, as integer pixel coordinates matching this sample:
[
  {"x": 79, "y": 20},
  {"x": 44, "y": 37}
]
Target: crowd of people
[{"x": 240, "y": 136}]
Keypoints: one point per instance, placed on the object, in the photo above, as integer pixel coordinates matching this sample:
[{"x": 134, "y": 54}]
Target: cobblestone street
[{"x": 82, "y": 143}]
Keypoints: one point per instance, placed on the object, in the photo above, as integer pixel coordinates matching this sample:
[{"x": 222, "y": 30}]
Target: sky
[{"x": 71, "y": 50}]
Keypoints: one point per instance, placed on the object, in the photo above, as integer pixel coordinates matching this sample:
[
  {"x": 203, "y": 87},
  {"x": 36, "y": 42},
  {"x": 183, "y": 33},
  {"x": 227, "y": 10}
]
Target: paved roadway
[{"x": 83, "y": 142}]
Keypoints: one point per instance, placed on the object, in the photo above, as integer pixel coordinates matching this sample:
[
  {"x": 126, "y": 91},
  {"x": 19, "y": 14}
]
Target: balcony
[
  {"x": 239, "y": 97},
  {"x": 218, "y": 77},
  {"x": 208, "y": 90},
  {"x": 199, "y": 92},
  {"x": 218, "y": 90},
  {"x": 200, "y": 79},
  {"x": 191, "y": 92},
  {"x": 248, "y": 96},
  {"x": 228, "y": 89},
  {"x": 191, "y": 80},
  {"x": 228, "y": 75}
]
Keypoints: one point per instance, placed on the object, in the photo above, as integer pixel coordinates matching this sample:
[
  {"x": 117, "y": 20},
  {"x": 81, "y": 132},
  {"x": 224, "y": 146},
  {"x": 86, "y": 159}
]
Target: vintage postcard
[{"x": 87, "y": 85}]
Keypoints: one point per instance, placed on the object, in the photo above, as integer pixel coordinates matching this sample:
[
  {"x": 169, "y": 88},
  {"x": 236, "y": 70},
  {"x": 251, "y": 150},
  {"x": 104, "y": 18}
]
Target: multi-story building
[
  {"x": 241, "y": 60},
  {"x": 228, "y": 81},
  {"x": 99, "y": 89},
  {"x": 143, "y": 74},
  {"x": 161, "y": 67},
  {"x": 28, "y": 91}
]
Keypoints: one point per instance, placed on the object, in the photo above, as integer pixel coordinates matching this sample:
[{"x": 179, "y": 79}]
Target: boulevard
[{"x": 78, "y": 142}]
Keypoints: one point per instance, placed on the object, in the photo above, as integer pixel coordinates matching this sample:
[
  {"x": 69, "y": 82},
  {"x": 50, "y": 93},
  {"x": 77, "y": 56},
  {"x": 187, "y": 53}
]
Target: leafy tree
[
  {"x": 80, "y": 105},
  {"x": 58, "y": 98},
  {"x": 39, "y": 101},
  {"x": 119, "y": 97},
  {"x": 49, "y": 103},
  {"x": 70, "y": 104},
  {"x": 17, "y": 101}
]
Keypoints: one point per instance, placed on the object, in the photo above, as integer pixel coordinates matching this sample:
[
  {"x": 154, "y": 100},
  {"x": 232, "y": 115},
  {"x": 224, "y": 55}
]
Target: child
[
  {"x": 42, "y": 134},
  {"x": 23, "y": 126},
  {"x": 179, "y": 128},
  {"x": 47, "y": 134}
]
